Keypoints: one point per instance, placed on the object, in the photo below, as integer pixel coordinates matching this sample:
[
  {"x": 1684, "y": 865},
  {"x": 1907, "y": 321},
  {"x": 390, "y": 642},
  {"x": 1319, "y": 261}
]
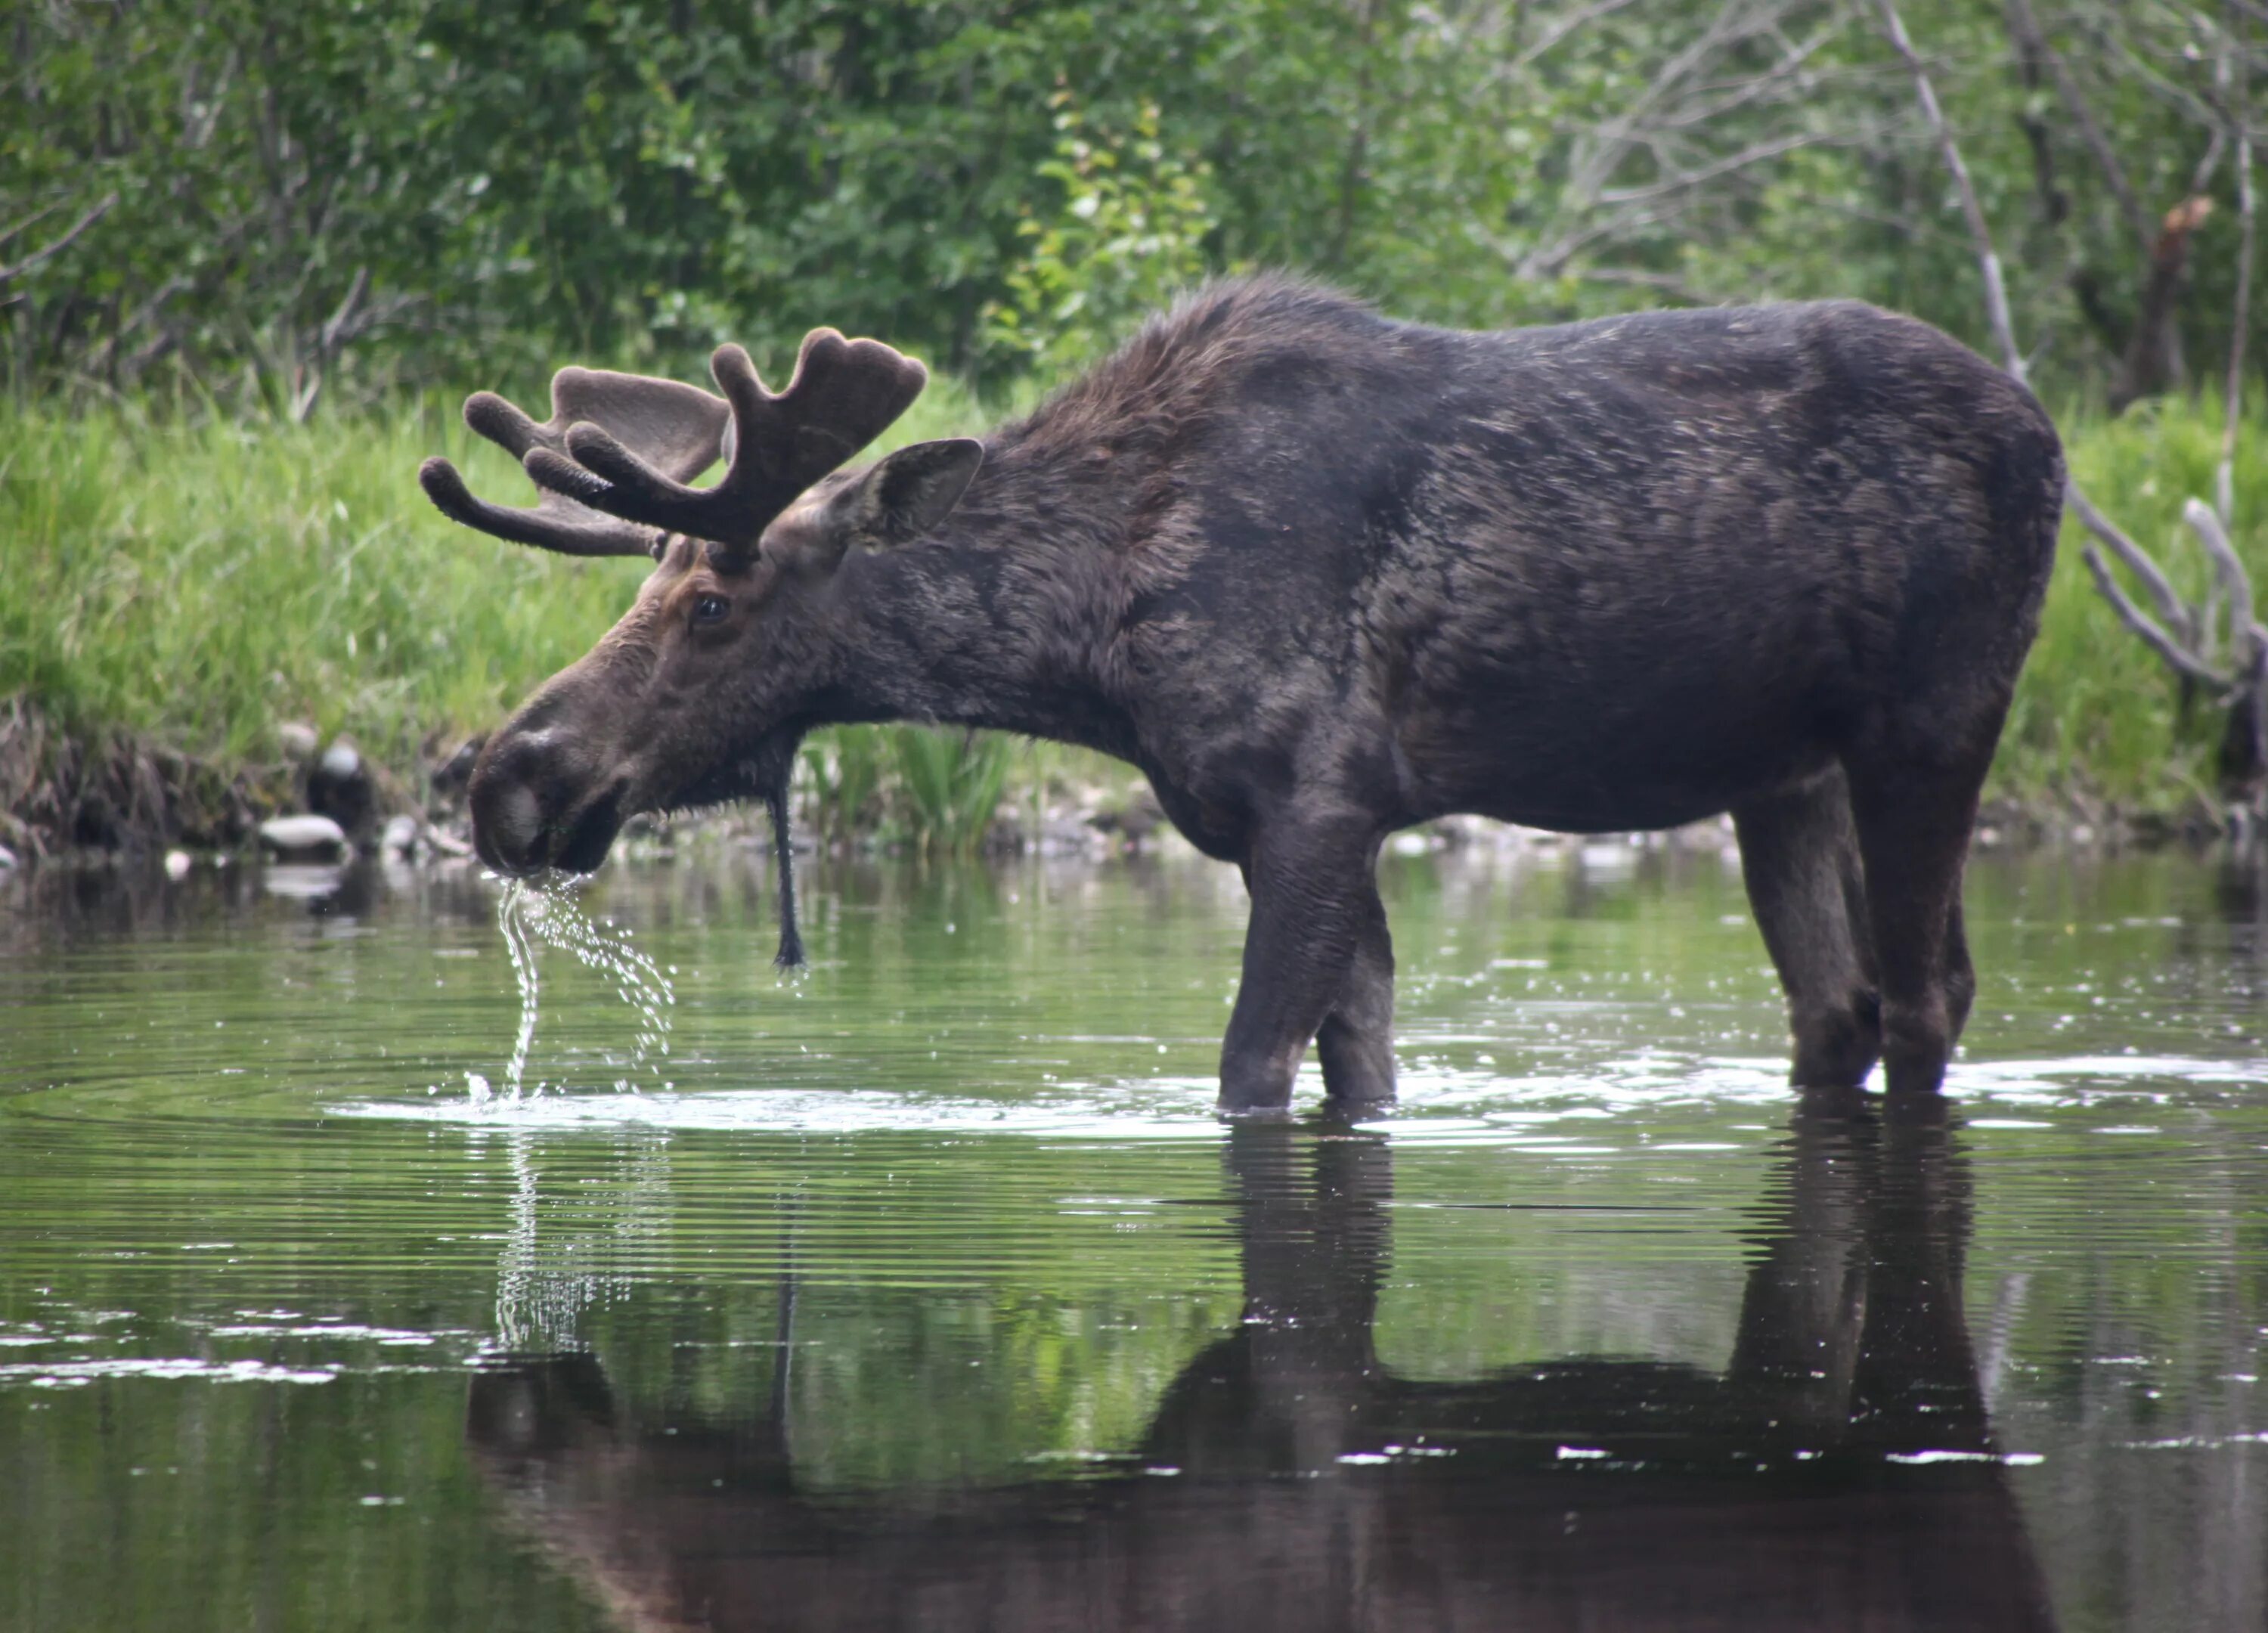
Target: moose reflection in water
[{"x": 1839, "y": 1472}]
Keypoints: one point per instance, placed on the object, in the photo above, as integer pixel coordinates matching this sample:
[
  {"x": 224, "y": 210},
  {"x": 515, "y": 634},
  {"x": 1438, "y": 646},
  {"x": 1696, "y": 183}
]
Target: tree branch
[
  {"x": 2032, "y": 40},
  {"x": 2177, "y": 652},
  {"x": 1755, "y": 153},
  {"x": 2142, "y": 624},
  {"x": 1980, "y": 232},
  {"x": 1554, "y": 32},
  {"x": 2232, "y": 400},
  {"x": 55, "y": 246},
  {"x": 2169, "y": 604},
  {"x": 2229, "y": 572},
  {"x": 30, "y": 221}
]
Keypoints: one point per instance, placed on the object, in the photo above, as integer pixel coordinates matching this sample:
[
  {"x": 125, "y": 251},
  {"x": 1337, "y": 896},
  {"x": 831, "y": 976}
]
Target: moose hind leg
[
  {"x": 1914, "y": 819},
  {"x": 1356, "y": 1041},
  {"x": 1960, "y": 973},
  {"x": 1315, "y": 901},
  {"x": 1800, "y": 860}
]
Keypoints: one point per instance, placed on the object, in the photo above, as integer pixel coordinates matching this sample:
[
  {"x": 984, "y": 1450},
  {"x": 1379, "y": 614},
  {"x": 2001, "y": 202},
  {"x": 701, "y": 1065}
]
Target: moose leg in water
[
  {"x": 1355, "y": 1042},
  {"x": 1800, "y": 860},
  {"x": 1312, "y": 951},
  {"x": 1914, "y": 817},
  {"x": 1960, "y": 974}
]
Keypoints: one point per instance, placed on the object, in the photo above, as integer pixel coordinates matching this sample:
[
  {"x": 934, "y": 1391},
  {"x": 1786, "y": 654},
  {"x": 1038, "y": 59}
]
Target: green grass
[
  {"x": 2097, "y": 714},
  {"x": 187, "y": 582}
]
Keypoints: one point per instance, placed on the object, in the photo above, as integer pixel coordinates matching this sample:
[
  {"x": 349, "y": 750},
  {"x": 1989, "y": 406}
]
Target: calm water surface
[{"x": 926, "y": 1292}]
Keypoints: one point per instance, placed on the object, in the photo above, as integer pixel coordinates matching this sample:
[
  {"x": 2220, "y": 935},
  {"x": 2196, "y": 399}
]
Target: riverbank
[{"x": 184, "y": 596}]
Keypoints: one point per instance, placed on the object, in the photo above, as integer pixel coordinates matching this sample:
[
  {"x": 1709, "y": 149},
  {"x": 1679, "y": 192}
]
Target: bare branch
[
  {"x": 334, "y": 331},
  {"x": 2032, "y": 40},
  {"x": 1668, "y": 284},
  {"x": 2142, "y": 624},
  {"x": 1715, "y": 102},
  {"x": 2227, "y": 567},
  {"x": 1756, "y": 153},
  {"x": 1592, "y": 174},
  {"x": 30, "y": 221},
  {"x": 2208, "y": 162},
  {"x": 2170, "y": 603},
  {"x": 1980, "y": 231},
  {"x": 55, "y": 246},
  {"x": 2231, "y": 400},
  {"x": 2181, "y": 98},
  {"x": 1672, "y": 119},
  {"x": 1566, "y": 25},
  {"x": 143, "y": 315}
]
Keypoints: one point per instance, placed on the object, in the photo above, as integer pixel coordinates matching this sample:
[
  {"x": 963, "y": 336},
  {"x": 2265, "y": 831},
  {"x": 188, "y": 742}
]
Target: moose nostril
[
  {"x": 517, "y": 818},
  {"x": 507, "y": 800}
]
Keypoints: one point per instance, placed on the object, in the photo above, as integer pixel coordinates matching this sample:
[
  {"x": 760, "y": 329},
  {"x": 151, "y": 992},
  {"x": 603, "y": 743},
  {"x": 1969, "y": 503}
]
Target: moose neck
[{"x": 990, "y": 620}]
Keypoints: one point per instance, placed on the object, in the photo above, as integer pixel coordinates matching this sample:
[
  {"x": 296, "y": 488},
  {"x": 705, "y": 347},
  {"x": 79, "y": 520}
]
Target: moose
[
  {"x": 1838, "y": 1470},
  {"x": 1321, "y": 575}
]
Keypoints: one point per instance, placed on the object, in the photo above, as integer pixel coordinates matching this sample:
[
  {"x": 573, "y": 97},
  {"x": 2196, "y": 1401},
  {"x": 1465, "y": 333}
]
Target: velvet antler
[
  {"x": 680, "y": 429},
  {"x": 843, "y": 393}
]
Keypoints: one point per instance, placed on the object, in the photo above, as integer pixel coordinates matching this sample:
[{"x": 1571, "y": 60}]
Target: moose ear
[{"x": 909, "y": 492}]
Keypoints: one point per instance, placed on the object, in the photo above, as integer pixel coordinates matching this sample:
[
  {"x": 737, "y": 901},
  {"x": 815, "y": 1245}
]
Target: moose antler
[
  {"x": 681, "y": 428},
  {"x": 843, "y": 393}
]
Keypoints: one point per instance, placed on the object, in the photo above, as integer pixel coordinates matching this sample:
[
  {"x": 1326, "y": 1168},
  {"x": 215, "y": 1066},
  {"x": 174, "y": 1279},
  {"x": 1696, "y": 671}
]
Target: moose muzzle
[{"x": 538, "y": 803}]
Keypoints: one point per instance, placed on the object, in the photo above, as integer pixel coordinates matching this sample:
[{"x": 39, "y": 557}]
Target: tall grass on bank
[
  {"x": 2098, "y": 717},
  {"x": 197, "y": 583},
  {"x": 188, "y": 582}
]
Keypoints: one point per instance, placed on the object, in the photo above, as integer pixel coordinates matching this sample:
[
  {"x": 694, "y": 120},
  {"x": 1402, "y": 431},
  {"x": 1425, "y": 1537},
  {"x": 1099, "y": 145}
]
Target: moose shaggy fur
[{"x": 1321, "y": 576}]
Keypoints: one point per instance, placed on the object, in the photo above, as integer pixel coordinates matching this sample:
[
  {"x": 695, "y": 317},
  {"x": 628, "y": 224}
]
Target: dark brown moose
[
  {"x": 1321, "y": 575},
  {"x": 1839, "y": 1472}
]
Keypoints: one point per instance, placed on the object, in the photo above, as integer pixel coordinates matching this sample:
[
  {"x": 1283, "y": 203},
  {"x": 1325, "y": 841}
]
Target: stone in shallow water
[
  {"x": 300, "y": 836},
  {"x": 340, "y": 787},
  {"x": 400, "y": 837}
]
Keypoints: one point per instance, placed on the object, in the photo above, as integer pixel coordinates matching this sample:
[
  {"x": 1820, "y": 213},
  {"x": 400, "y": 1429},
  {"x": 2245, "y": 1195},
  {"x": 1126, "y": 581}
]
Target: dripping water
[{"x": 532, "y": 917}]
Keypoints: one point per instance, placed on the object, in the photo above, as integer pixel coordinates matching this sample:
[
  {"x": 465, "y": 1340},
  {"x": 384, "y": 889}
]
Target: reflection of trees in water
[{"x": 1839, "y": 1472}]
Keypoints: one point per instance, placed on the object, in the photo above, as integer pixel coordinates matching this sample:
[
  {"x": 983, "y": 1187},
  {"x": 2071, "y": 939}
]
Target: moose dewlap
[{"x": 1321, "y": 576}]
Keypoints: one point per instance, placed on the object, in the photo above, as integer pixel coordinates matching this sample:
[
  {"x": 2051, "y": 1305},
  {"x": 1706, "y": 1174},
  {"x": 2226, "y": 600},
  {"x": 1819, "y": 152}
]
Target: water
[
  {"x": 530, "y": 919},
  {"x": 926, "y": 1291}
]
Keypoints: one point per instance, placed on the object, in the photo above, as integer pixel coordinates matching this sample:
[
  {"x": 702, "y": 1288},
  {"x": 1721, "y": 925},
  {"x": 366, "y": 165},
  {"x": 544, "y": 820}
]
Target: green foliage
[
  {"x": 441, "y": 188},
  {"x": 313, "y": 203},
  {"x": 2096, "y": 713},
  {"x": 930, "y": 790},
  {"x": 196, "y": 581},
  {"x": 843, "y": 770},
  {"x": 191, "y": 582},
  {"x": 1128, "y": 233},
  {"x": 287, "y": 212},
  {"x": 952, "y": 782}
]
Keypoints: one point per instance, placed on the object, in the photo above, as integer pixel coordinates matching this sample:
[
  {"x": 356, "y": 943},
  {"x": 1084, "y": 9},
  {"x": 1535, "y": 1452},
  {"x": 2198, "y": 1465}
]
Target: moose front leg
[
  {"x": 1356, "y": 1040},
  {"x": 1315, "y": 952}
]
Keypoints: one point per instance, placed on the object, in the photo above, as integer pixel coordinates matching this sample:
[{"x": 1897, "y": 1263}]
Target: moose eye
[{"x": 711, "y": 609}]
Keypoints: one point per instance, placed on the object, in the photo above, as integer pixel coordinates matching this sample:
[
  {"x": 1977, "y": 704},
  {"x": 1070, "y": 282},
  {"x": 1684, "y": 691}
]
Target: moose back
[{"x": 1321, "y": 576}]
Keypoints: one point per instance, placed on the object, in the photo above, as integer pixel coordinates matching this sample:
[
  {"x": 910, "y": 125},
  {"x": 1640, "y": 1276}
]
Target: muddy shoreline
[{"x": 79, "y": 800}]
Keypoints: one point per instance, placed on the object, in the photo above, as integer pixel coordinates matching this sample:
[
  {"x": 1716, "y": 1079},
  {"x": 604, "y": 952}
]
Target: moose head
[{"x": 694, "y": 696}]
